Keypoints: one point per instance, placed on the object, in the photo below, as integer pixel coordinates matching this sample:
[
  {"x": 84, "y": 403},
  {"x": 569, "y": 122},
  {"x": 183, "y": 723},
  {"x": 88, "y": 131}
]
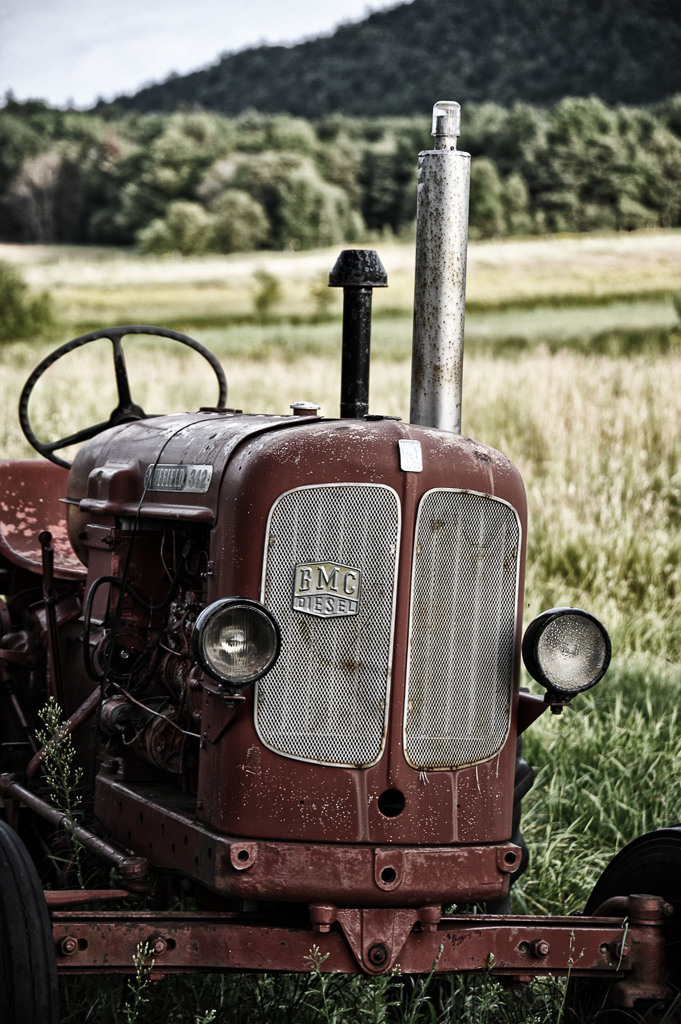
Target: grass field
[{"x": 574, "y": 370}]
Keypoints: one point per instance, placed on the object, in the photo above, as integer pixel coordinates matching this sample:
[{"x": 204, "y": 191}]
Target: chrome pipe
[{"x": 440, "y": 282}]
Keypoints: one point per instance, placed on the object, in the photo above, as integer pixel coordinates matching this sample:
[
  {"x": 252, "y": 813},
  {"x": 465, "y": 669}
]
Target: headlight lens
[
  {"x": 567, "y": 650},
  {"x": 236, "y": 641}
]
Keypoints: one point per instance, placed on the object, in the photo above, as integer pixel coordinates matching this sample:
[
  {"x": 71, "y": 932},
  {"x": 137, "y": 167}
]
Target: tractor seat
[{"x": 30, "y": 493}]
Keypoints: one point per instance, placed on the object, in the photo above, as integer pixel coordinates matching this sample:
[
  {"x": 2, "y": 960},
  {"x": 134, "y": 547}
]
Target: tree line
[{"x": 196, "y": 181}]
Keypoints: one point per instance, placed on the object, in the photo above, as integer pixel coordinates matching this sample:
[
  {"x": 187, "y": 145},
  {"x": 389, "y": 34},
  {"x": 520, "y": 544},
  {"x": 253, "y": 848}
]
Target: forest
[
  {"x": 196, "y": 181},
  {"x": 398, "y": 61}
]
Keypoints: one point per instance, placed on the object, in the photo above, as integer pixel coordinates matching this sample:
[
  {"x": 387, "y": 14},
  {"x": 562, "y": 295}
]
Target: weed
[
  {"x": 417, "y": 1003},
  {"x": 327, "y": 1008},
  {"x": 63, "y": 774},
  {"x": 138, "y": 987}
]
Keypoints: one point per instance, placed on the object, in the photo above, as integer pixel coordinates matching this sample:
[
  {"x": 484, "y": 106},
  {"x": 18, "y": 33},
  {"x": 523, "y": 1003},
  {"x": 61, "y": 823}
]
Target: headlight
[
  {"x": 236, "y": 641},
  {"x": 567, "y": 650}
]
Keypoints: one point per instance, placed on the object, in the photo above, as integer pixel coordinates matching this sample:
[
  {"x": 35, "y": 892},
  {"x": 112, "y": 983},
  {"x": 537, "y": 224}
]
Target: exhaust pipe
[{"x": 440, "y": 286}]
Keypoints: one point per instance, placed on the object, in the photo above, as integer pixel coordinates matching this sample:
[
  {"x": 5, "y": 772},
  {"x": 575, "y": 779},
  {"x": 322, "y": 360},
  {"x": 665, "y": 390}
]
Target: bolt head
[
  {"x": 377, "y": 955},
  {"x": 540, "y": 948}
]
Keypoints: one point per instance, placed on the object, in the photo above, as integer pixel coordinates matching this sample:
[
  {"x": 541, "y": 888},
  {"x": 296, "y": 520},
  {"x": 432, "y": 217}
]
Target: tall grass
[
  {"x": 597, "y": 442},
  {"x": 607, "y": 771}
]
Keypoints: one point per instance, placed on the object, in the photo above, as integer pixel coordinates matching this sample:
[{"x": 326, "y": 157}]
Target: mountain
[{"x": 399, "y": 61}]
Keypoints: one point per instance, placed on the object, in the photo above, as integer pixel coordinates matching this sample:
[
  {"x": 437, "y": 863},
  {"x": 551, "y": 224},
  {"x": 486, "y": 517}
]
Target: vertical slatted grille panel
[
  {"x": 326, "y": 698},
  {"x": 462, "y": 629}
]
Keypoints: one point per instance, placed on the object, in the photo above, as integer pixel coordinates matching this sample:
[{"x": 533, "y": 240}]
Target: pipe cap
[{"x": 358, "y": 268}]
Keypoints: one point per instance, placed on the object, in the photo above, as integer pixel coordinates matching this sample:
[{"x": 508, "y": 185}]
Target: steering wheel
[{"x": 126, "y": 410}]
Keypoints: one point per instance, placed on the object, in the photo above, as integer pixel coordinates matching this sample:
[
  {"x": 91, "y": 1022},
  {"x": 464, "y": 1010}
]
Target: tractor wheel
[
  {"x": 28, "y": 965},
  {"x": 650, "y": 865}
]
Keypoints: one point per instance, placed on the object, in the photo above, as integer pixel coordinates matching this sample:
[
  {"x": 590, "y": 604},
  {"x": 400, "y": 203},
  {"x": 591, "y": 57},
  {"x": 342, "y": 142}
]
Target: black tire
[
  {"x": 649, "y": 865},
  {"x": 28, "y": 964}
]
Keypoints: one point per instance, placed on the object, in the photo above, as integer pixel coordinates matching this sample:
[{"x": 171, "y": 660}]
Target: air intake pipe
[
  {"x": 440, "y": 284},
  {"x": 357, "y": 272}
]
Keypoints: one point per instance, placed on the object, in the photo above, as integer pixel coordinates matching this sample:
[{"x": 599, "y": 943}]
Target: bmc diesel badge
[{"x": 326, "y": 589}]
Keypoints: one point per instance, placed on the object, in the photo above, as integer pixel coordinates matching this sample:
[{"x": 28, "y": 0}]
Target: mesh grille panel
[
  {"x": 463, "y": 614},
  {"x": 326, "y": 698}
]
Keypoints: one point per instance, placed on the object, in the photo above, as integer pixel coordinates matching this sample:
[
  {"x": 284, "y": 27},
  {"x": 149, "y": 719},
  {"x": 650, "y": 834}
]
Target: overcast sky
[{"x": 75, "y": 51}]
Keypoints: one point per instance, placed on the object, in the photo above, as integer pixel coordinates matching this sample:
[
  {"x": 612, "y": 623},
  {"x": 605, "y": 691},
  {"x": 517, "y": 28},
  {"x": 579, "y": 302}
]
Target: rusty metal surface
[
  {"x": 644, "y": 947},
  {"x": 159, "y": 821},
  {"x": 30, "y": 493},
  {"x": 106, "y": 479},
  {"x": 281, "y": 799},
  {"x": 267, "y": 797},
  {"x": 369, "y": 941},
  {"x": 65, "y": 898}
]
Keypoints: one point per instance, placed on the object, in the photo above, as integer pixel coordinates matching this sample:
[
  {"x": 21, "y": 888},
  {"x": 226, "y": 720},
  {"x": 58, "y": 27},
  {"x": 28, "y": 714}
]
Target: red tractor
[{"x": 286, "y": 652}]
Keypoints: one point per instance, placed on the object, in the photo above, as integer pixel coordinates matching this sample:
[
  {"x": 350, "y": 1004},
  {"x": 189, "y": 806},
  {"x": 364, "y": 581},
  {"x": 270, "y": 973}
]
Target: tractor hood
[
  {"x": 164, "y": 467},
  {"x": 172, "y": 467}
]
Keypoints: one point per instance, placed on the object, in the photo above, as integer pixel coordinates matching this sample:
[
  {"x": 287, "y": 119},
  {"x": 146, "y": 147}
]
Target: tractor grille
[
  {"x": 330, "y": 580},
  {"x": 462, "y": 629}
]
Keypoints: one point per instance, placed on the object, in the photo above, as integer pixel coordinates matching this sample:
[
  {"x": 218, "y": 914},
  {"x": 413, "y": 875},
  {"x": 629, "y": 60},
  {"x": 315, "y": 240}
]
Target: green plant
[
  {"x": 138, "y": 987},
  {"x": 267, "y": 292},
  {"x": 316, "y": 959},
  {"x": 417, "y": 1001},
  {"x": 63, "y": 774},
  {"x": 22, "y": 314}
]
